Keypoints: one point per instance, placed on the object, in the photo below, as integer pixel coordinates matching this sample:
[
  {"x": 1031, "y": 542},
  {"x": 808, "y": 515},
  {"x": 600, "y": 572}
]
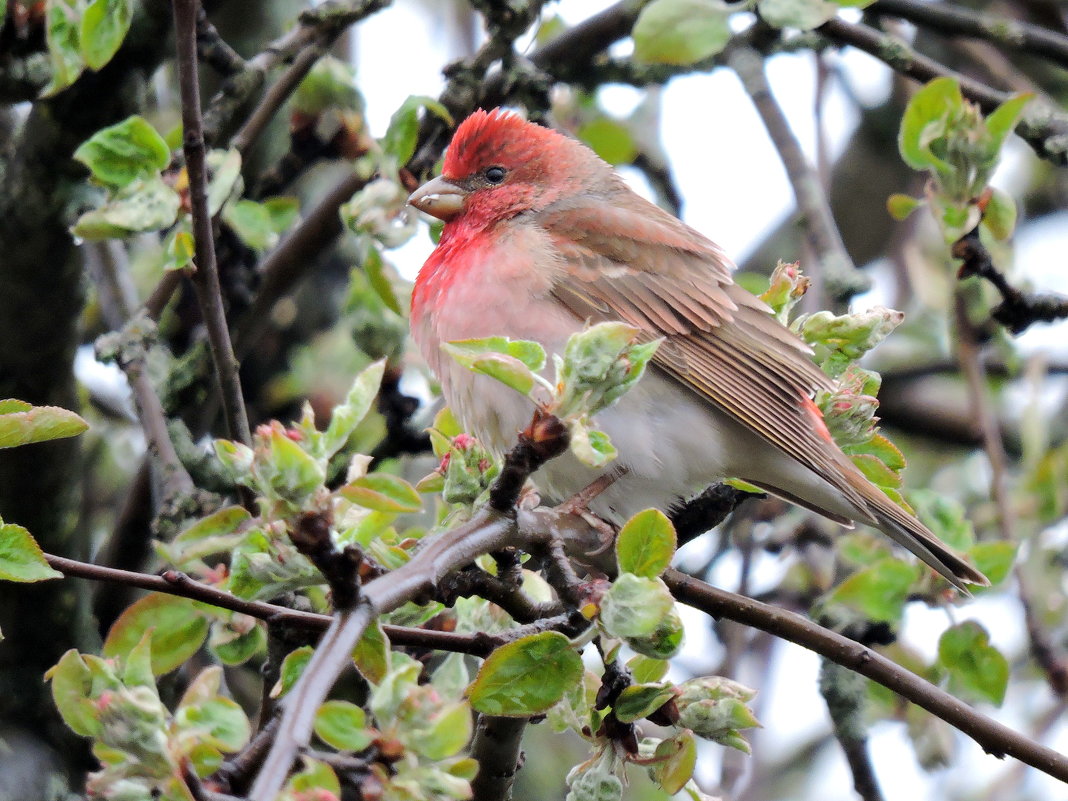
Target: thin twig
[
  {"x": 275, "y": 97},
  {"x": 1017, "y": 310},
  {"x": 995, "y": 738},
  {"x": 206, "y": 275},
  {"x": 836, "y": 269},
  {"x": 214, "y": 50},
  {"x": 954, "y": 20},
  {"x": 1043, "y": 127},
  {"x": 174, "y": 582}
]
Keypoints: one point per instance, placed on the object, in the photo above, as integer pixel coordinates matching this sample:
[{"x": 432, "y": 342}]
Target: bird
[{"x": 541, "y": 238}]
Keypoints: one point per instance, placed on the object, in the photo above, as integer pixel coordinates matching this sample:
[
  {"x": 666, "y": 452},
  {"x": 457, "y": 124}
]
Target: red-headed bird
[{"x": 541, "y": 237}]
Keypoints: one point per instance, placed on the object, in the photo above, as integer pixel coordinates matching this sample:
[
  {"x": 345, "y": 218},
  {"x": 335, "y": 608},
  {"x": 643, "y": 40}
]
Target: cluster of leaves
[
  {"x": 598, "y": 365},
  {"x": 130, "y": 160},
  {"x": 684, "y": 32},
  {"x": 82, "y": 34},
  {"x": 947, "y": 137}
]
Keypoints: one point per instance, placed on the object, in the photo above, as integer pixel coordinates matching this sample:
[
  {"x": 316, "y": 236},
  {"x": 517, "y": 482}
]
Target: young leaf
[
  {"x": 292, "y": 667},
  {"x": 901, "y": 206},
  {"x": 678, "y": 758},
  {"x": 179, "y": 629},
  {"x": 63, "y": 20},
  {"x": 21, "y": 558},
  {"x": 526, "y": 677},
  {"x": 343, "y": 725},
  {"x": 72, "y": 685},
  {"x": 121, "y": 153},
  {"x": 878, "y": 592},
  {"x": 145, "y": 204},
  {"x": 681, "y": 31},
  {"x": 104, "y": 26},
  {"x": 400, "y": 139},
  {"x": 22, "y": 424},
  {"x": 639, "y": 700},
  {"x": 925, "y": 118},
  {"x": 646, "y": 544},
  {"x": 972, "y": 662},
  {"x": 371, "y": 654},
  {"x": 252, "y": 223},
  {"x": 999, "y": 216},
  {"x": 610, "y": 139},
  {"x": 383, "y": 492},
  {"x": 801, "y": 14},
  {"x": 634, "y": 606}
]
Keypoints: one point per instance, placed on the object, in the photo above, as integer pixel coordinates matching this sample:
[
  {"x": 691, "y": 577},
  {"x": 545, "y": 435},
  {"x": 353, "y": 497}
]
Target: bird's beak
[{"x": 439, "y": 198}]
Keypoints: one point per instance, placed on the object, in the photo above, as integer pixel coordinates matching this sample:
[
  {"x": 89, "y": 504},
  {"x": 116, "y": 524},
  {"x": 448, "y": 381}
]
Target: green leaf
[
  {"x": 331, "y": 83},
  {"x": 371, "y": 654},
  {"x": 226, "y": 182},
  {"x": 878, "y": 592},
  {"x": 945, "y": 517},
  {"x": 901, "y": 206},
  {"x": 677, "y": 759},
  {"x": 146, "y": 204},
  {"x": 63, "y": 20},
  {"x": 21, "y": 558},
  {"x": 104, "y": 26},
  {"x": 610, "y": 139},
  {"x": 252, "y": 223},
  {"x": 403, "y": 132},
  {"x": 178, "y": 630},
  {"x": 999, "y": 216},
  {"x": 358, "y": 402},
  {"x": 449, "y": 732},
  {"x": 313, "y": 781},
  {"x": 925, "y": 118},
  {"x": 802, "y": 14},
  {"x": 179, "y": 249},
  {"x": 592, "y": 447},
  {"x": 343, "y": 725},
  {"x": 218, "y": 722},
  {"x": 526, "y": 677},
  {"x": 383, "y": 493},
  {"x": 72, "y": 685},
  {"x": 464, "y": 351},
  {"x": 634, "y": 606},
  {"x": 646, "y": 670},
  {"x": 973, "y": 664},
  {"x": 284, "y": 212},
  {"x": 646, "y": 544},
  {"x": 993, "y": 559},
  {"x": 876, "y": 471},
  {"x": 121, "y": 153},
  {"x": 288, "y": 469},
  {"x": 681, "y": 32},
  {"x": 236, "y": 639},
  {"x": 23, "y": 424},
  {"x": 374, "y": 269},
  {"x": 665, "y": 641},
  {"x": 292, "y": 668},
  {"x": 639, "y": 700},
  {"x": 1004, "y": 118}
]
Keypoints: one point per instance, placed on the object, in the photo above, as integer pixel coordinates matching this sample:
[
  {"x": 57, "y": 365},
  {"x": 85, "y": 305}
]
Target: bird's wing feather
[{"x": 720, "y": 341}]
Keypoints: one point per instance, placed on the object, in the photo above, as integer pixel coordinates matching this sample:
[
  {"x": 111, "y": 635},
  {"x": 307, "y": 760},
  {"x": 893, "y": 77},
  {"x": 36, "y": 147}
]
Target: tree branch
[
  {"x": 491, "y": 529},
  {"x": 206, "y": 275},
  {"x": 1043, "y": 127},
  {"x": 995, "y": 738},
  {"x": 836, "y": 271},
  {"x": 174, "y": 582},
  {"x": 497, "y": 748},
  {"x": 954, "y": 20}
]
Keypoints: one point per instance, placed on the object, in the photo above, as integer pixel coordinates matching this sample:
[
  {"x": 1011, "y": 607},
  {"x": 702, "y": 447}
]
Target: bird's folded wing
[{"x": 720, "y": 341}]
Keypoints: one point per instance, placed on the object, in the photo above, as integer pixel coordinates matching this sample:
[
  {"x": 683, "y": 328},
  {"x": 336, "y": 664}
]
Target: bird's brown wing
[{"x": 720, "y": 341}]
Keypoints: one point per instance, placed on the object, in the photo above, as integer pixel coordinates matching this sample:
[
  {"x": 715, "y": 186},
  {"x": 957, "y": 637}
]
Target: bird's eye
[{"x": 495, "y": 174}]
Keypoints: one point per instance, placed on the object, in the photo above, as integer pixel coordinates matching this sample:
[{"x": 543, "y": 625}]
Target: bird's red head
[{"x": 499, "y": 165}]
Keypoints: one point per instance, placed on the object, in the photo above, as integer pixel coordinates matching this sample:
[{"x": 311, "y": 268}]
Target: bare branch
[
  {"x": 836, "y": 272},
  {"x": 1043, "y": 127},
  {"x": 206, "y": 275},
  {"x": 954, "y": 20},
  {"x": 496, "y": 746},
  {"x": 995, "y": 738}
]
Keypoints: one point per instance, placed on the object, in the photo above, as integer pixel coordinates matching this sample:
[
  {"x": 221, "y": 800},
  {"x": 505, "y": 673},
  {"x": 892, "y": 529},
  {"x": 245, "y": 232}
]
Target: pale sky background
[{"x": 735, "y": 191}]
